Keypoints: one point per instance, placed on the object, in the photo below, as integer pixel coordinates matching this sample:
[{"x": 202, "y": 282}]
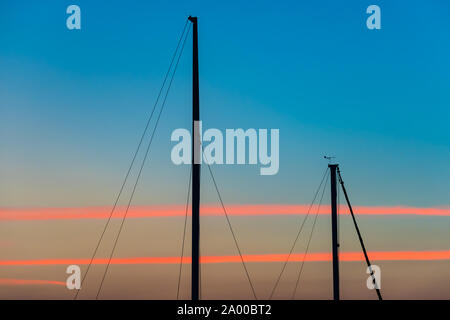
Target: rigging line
[
  {"x": 309, "y": 240},
  {"x": 231, "y": 229},
  {"x": 338, "y": 215},
  {"x": 200, "y": 291},
  {"x": 339, "y": 223},
  {"x": 359, "y": 235},
  {"x": 142, "y": 166},
  {"x": 298, "y": 235},
  {"x": 132, "y": 161},
  {"x": 184, "y": 232}
]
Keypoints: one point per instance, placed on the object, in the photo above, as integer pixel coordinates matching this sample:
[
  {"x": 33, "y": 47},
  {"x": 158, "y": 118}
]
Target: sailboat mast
[
  {"x": 196, "y": 156},
  {"x": 334, "y": 231}
]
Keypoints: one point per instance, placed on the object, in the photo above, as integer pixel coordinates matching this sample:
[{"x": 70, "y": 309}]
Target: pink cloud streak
[
  {"x": 25, "y": 282},
  {"x": 317, "y": 256},
  {"x": 68, "y": 213}
]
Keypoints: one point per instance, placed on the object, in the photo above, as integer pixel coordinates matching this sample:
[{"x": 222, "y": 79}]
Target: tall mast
[
  {"x": 196, "y": 157},
  {"x": 334, "y": 231}
]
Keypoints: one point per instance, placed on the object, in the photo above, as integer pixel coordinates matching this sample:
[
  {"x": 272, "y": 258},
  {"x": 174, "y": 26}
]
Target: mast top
[
  {"x": 192, "y": 19},
  {"x": 330, "y": 159}
]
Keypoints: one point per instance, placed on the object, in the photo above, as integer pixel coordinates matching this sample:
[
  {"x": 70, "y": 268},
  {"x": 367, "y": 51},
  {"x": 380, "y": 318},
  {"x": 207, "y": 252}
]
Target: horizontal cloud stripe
[
  {"x": 25, "y": 282},
  {"x": 206, "y": 210},
  {"x": 321, "y": 256}
]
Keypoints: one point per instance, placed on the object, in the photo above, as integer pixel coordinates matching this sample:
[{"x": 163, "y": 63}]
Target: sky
[{"x": 73, "y": 104}]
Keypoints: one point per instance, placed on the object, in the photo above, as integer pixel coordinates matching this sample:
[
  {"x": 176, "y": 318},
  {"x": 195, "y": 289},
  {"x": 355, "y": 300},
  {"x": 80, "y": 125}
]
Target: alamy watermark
[
  {"x": 74, "y": 280},
  {"x": 373, "y": 22},
  {"x": 374, "y": 280},
  {"x": 240, "y": 146},
  {"x": 74, "y": 20}
]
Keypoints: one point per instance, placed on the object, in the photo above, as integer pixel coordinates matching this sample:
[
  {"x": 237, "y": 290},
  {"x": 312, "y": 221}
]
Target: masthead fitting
[{"x": 329, "y": 158}]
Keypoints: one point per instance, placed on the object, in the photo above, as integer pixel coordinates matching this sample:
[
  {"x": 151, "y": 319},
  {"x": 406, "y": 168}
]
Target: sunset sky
[{"x": 73, "y": 104}]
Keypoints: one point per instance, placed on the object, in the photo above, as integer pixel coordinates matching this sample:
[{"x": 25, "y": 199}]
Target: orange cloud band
[
  {"x": 25, "y": 282},
  {"x": 343, "y": 256},
  {"x": 206, "y": 210}
]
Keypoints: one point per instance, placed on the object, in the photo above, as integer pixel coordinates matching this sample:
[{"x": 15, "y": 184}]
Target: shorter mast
[{"x": 334, "y": 230}]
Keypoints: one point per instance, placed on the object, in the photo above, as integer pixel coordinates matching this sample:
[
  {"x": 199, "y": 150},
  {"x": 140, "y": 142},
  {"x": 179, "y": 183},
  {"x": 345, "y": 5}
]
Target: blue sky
[{"x": 74, "y": 102}]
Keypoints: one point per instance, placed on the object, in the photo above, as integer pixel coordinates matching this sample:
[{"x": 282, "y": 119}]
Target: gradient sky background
[{"x": 74, "y": 103}]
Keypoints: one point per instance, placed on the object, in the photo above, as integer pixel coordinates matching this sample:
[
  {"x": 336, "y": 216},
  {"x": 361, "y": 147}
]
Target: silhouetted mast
[
  {"x": 334, "y": 230},
  {"x": 196, "y": 156},
  {"x": 335, "y": 174}
]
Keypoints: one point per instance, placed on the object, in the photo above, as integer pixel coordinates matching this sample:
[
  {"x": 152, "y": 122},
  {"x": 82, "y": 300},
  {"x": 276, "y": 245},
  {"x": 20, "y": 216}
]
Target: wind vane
[{"x": 329, "y": 158}]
